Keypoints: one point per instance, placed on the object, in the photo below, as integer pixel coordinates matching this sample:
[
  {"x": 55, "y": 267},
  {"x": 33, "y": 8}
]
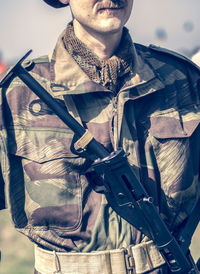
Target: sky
[{"x": 31, "y": 24}]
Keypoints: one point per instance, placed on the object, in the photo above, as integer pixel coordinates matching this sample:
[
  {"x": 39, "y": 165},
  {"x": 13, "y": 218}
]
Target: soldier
[
  {"x": 196, "y": 57},
  {"x": 2, "y": 65},
  {"x": 142, "y": 99}
]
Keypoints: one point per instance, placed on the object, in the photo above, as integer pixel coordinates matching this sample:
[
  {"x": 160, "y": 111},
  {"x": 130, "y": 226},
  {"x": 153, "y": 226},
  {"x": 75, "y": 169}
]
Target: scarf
[{"x": 108, "y": 73}]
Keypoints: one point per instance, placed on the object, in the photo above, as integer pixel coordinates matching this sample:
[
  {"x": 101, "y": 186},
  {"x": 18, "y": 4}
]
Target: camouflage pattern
[{"x": 154, "y": 117}]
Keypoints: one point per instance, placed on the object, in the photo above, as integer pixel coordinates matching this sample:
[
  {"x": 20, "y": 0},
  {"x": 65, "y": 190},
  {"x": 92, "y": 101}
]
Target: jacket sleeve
[
  {"x": 2, "y": 183},
  {"x": 2, "y": 192}
]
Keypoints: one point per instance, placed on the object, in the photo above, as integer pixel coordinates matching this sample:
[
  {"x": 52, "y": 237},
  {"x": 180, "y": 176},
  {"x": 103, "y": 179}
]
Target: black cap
[{"x": 55, "y": 3}]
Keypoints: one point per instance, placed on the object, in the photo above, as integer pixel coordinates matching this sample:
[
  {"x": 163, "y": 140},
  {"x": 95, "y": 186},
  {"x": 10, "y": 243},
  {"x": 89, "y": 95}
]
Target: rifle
[{"x": 122, "y": 189}]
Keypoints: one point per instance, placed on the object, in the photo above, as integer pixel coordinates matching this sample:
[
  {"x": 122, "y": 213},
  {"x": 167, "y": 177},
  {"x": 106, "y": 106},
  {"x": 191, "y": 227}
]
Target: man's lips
[
  {"x": 110, "y": 6},
  {"x": 109, "y": 9}
]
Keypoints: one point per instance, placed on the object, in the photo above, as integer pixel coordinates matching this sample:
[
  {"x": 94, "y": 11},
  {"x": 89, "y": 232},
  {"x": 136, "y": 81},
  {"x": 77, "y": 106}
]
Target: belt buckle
[{"x": 130, "y": 262}]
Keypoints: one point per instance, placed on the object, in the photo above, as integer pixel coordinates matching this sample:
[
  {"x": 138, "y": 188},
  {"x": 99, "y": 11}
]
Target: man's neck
[{"x": 102, "y": 44}]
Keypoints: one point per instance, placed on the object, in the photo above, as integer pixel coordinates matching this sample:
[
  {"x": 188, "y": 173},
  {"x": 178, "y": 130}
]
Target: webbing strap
[
  {"x": 85, "y": 139},
  {"x": 135, "y": 259},
  {"x": 102, "y": 262},
  {"x": 147, "y": 257}
]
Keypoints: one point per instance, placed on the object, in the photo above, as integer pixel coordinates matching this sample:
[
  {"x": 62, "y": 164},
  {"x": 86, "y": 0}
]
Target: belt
[{"x": 135, "y": 259}]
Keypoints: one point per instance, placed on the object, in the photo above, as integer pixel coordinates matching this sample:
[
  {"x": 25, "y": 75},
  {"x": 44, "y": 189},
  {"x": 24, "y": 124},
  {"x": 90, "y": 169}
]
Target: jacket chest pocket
[
  {"x": 50, "y": 176},
  {"x": 174, "y": 137}
]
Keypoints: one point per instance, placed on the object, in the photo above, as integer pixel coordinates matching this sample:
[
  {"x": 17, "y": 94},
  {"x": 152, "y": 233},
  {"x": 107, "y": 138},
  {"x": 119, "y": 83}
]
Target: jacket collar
[{"x": 68, "y": 78}]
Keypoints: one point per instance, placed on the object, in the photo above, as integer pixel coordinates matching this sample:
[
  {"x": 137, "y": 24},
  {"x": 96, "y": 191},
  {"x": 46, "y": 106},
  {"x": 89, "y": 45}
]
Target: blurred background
[
  {"x": 24, "y": 25},
  {"x": 34, "y": 25}
]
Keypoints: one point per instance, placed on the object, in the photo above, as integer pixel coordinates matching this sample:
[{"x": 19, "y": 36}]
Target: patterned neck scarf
[{"x": 108, "y": 73}]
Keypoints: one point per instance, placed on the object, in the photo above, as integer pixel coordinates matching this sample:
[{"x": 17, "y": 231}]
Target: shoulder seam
[{"x": 175, "y": 54}]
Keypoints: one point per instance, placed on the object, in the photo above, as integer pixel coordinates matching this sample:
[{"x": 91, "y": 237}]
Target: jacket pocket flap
[
  {"x": 42, "y": 147},
  {"x": 174, "y": 125}
]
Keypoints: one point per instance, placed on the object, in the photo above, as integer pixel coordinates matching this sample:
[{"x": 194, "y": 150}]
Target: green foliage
[{"x": 17, "y": 255}]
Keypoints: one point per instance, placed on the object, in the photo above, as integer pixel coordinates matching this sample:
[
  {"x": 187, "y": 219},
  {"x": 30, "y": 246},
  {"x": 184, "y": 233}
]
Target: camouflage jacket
[{"x": 154, "y": 117}]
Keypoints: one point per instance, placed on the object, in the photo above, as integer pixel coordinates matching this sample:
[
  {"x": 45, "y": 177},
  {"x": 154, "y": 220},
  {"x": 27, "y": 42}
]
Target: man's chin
[{"x": 109, "y": 27}]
